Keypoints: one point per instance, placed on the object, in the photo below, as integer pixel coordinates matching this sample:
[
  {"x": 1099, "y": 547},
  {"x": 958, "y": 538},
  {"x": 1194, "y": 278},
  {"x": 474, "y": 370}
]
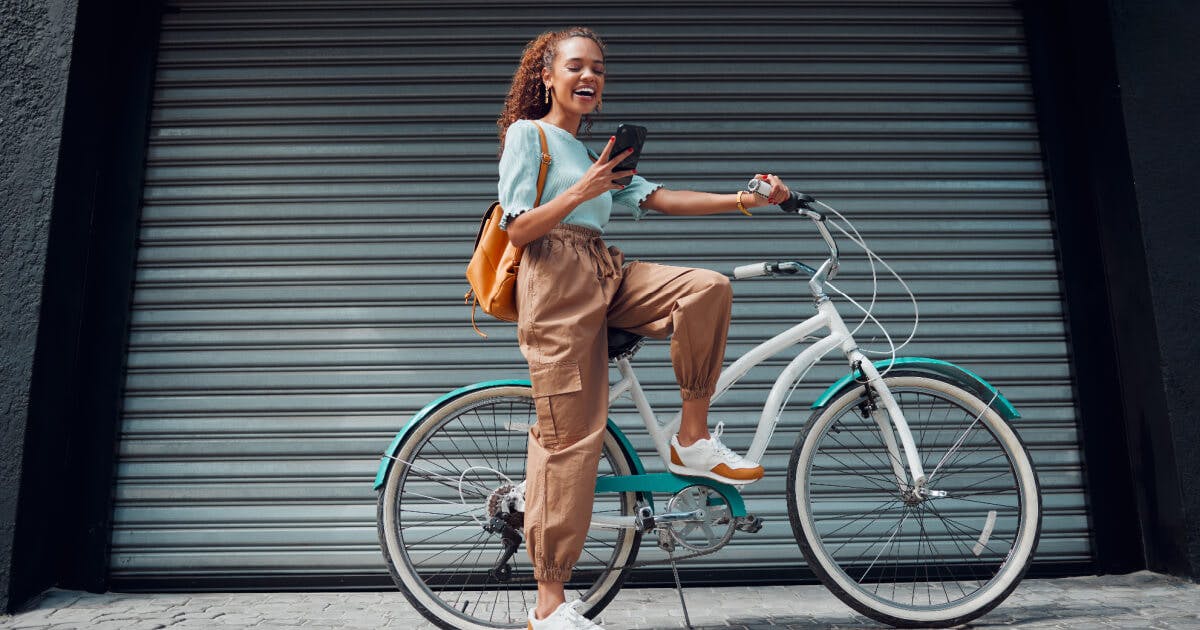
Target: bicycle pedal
[
  {"x": 750, "y": 524},
  {"x": 644, "y": 518}
]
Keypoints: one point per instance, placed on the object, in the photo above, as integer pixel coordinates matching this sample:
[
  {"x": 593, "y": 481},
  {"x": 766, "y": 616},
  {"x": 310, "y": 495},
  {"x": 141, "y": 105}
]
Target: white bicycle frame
[{"x": 837, "y": 336}]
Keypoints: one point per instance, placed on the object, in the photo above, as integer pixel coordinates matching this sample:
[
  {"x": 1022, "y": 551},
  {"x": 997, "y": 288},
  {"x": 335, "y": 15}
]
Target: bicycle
[{"x": 911, "y": 497}]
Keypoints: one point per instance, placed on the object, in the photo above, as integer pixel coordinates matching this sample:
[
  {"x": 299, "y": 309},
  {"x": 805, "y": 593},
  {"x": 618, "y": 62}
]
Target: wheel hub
[{"x": 920, "y": 495}]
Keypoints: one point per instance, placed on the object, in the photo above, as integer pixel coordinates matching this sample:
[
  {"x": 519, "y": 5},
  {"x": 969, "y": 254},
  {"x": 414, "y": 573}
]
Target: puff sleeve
[
  {"x": 634, "y": 194},
  {"x": 519, "y": 165}
]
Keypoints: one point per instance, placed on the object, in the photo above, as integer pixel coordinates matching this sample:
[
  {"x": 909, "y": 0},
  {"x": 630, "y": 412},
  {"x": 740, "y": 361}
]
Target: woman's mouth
[{"x": 585, "y": 94}]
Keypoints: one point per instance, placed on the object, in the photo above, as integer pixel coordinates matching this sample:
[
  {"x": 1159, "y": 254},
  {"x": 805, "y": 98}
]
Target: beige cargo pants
[{"x": 570, "y": 289}]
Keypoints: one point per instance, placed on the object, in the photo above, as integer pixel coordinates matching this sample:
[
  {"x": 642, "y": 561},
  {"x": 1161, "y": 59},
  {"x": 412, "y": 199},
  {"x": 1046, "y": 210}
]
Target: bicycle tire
[
  {"x": 838, "y": 478},
  {"x": 417, "y": 520}
]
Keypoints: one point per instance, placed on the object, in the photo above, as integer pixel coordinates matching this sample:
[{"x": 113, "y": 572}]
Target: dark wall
[
  {"x": 1157, "y": 44},
  {"x": 36, "y": 52},
  {"x": 72, "y": 233},
  {"x": 1077, "y": 95},
  {"x": 1119, "y": 117}
]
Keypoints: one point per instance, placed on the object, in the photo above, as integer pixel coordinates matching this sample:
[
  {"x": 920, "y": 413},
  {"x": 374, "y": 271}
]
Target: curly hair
[{"x": 526, "y": 95}]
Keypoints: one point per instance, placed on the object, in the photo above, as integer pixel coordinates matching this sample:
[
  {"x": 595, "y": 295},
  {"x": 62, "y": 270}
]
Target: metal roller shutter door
[{"x": 316, "y": 172}]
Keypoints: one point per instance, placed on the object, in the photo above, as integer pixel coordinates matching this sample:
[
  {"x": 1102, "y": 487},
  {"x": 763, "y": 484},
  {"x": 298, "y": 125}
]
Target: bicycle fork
[{"x": 891, "y": 423}]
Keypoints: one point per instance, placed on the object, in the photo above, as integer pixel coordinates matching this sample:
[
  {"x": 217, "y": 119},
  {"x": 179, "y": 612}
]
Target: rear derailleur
[
  {"x": 510, "y": 537},
  {"x": 506, "y": 509}
]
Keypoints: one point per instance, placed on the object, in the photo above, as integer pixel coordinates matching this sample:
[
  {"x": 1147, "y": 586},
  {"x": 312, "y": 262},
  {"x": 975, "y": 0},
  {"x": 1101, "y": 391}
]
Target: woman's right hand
[{"x": 599, "y": 179}]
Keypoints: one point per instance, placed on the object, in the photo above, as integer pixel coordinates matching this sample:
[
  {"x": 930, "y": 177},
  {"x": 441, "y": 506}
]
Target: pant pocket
[{"x": 555, "y": 385}]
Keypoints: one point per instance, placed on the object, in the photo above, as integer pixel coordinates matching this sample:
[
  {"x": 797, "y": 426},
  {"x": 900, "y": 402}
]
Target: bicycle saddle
[{"x": 622, "y": 344}]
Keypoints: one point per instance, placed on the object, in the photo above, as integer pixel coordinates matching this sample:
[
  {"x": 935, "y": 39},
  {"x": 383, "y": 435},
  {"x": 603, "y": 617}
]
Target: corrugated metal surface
[{"x": 316, "y": 173}]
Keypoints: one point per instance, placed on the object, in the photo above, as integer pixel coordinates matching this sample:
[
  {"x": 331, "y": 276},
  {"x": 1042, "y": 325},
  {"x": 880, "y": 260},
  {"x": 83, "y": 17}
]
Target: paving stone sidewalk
[{"x": 1139, "y": 600}]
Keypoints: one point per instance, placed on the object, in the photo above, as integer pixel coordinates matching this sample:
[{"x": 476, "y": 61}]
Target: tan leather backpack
[{"x": 492, "y": 272}]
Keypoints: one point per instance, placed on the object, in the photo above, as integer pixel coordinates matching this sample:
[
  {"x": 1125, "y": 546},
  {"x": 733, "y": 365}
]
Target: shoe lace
[
  {"x": 719, "y": 446},
  {"x": 577, "y": 619}
]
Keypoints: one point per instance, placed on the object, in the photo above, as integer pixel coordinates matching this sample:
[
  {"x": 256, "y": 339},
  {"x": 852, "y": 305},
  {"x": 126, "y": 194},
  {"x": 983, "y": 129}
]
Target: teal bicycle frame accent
[{"x": 669, "y": 483}]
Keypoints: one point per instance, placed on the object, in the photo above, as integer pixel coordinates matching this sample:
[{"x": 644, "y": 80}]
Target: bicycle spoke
[
  {"x": 855, "y": 452},
  {"x": 884, "y": 483},
  {"x": 450, "y": 482}
]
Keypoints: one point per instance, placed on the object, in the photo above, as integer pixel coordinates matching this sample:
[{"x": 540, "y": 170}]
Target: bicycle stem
[{"x": 828, "y": 269}]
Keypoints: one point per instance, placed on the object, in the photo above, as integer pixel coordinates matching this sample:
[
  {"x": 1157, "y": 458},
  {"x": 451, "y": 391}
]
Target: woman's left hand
[{"x": 779, "y": 192}]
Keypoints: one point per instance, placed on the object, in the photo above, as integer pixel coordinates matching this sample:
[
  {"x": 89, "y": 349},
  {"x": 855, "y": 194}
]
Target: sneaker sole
[{"x": 691, "y": 472}]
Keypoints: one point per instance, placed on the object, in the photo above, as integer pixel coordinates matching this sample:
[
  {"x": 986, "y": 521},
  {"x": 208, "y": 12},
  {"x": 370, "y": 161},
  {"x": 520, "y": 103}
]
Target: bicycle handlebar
[{"x": 801, "y": 204}]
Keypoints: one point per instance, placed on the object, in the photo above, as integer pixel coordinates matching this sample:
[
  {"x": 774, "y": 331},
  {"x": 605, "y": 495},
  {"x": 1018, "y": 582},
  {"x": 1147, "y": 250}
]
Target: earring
[
  {"x": 547, "y": 99},
  {"x": 599, "y": 102}
]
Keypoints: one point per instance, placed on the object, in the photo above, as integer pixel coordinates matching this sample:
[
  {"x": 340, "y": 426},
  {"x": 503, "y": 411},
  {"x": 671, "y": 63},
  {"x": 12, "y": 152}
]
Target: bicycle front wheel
[
  {"x": 932, "y": 557},
  {"x": 433, "y": 512}
]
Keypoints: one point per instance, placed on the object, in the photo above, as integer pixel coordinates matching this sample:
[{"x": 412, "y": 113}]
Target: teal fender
[
  {"x": 389, "y": 455},
  {"x": 960, "y": 376}
]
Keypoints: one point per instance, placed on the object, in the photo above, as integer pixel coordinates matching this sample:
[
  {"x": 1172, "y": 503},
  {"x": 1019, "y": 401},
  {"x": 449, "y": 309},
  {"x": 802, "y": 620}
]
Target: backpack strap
[{"x": 541, "y": 183}]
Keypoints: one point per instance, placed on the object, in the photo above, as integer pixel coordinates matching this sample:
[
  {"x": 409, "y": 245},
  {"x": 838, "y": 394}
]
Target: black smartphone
[{"x": 628, "y": 136}]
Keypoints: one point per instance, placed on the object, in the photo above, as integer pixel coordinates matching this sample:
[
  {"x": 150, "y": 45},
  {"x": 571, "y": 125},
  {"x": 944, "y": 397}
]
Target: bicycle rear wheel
[
  {"x": 933, "y": 559},
  {"x": 433, "y": 508}
]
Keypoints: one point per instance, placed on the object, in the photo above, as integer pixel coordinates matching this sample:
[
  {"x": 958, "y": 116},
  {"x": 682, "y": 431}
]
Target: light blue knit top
[{"x": 569, "y": 160}]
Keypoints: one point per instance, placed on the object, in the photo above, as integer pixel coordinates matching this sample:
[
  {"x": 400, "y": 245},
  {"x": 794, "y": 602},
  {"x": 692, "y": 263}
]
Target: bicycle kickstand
[{"x": 668, "y": 545}]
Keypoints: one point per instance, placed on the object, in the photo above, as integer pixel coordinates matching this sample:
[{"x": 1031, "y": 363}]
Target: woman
[{"x": 572, "y": 287}]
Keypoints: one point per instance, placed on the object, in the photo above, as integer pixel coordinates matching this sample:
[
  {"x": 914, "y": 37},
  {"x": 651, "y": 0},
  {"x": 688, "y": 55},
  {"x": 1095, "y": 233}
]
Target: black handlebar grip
[{"x": 795, "y": 201}]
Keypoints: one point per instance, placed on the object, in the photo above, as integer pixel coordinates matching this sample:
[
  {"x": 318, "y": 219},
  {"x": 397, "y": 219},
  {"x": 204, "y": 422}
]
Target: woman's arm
[
  {"x": 693, "y": 203},
  {"x": 537, "y": 222},
  {"x": 532, "y": 225}
]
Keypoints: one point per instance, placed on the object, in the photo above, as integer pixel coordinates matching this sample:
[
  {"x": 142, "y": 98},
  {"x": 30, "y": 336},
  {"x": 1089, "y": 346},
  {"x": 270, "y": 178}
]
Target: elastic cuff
[
  {"x": 509, "y": 216},
  {"x": 638, "y": 210},
  {"x": 552, "y": 574},
  {"x": 697, "y": 393}
]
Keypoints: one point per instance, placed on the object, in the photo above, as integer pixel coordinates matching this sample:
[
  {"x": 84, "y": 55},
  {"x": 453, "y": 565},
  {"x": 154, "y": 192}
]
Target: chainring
[{"x": 711, "y": 530}]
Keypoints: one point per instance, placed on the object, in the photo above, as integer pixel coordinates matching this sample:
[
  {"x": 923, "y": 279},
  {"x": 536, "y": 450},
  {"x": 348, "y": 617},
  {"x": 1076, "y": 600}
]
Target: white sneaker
[
  {"x": 710, "y": 458},
  {"x": 565, "y": 617}
]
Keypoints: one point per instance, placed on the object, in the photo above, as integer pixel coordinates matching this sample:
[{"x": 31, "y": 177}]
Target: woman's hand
[
  {"x": 599, "y": 178},
  {"x": 595, "y": 182},
  {"x": 779, "y": 192}
]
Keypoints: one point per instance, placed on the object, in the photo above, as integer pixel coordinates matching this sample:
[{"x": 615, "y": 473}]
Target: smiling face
[{"x": 576, "y": 76}]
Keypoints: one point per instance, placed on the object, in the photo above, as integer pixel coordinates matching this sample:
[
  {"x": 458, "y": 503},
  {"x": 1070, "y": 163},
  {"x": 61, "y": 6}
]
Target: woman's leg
[
  {"x": 694, "y": 423},
  {"x": 563, "y": 458},
  {"x": 562, "y": 301},
  {"x": 693, "y": 306}
]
